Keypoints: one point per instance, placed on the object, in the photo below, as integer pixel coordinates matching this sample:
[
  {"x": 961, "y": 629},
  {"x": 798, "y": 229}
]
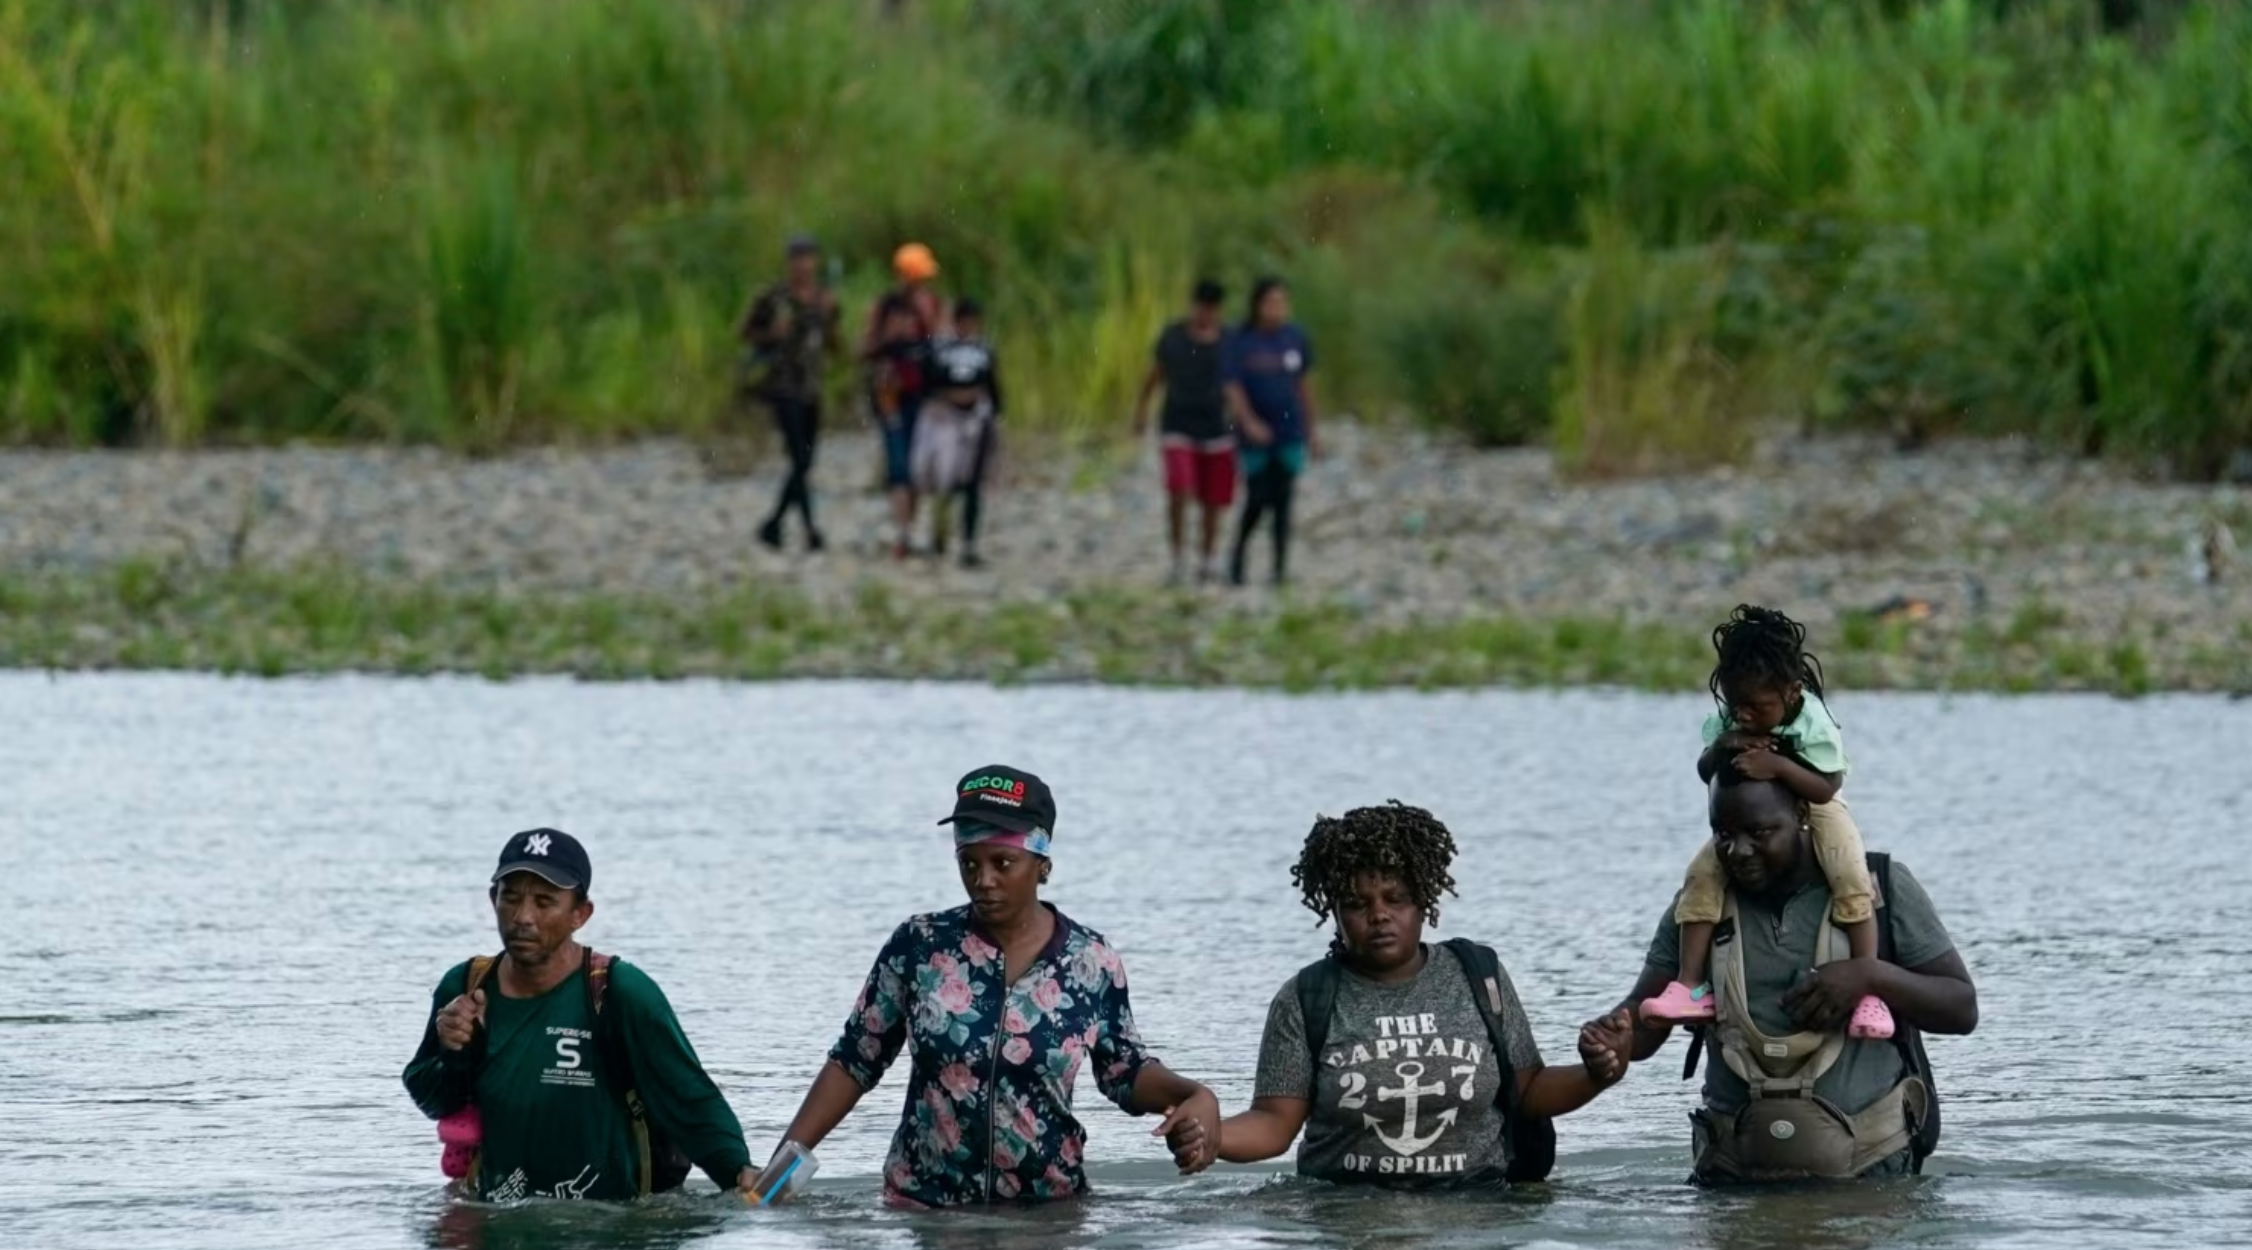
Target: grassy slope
[{"x": 1638, "y": 224}]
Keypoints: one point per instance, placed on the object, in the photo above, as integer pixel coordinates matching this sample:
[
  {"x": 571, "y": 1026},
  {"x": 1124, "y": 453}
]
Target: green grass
[
  {"x": 523, "y": 220},
  {"x": 314, "y": 619}
]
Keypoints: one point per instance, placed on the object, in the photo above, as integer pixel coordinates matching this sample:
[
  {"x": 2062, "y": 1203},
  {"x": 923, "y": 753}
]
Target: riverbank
[{"x": 1419, "y": 563}]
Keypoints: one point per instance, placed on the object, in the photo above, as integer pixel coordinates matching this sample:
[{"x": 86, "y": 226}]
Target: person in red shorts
[{"x": 1193, "y": 432}]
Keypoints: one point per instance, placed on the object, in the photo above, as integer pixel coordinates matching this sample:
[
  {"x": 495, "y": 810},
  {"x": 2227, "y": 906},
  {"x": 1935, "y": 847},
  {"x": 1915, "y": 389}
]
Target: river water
[{"x": 226, "y": 902}]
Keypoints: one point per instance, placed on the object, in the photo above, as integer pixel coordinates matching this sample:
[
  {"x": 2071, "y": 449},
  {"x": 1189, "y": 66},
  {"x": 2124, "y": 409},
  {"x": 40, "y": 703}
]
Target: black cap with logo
[
  {"x": 549, "y": 854},
  {"x": 1008, "y": 797}
]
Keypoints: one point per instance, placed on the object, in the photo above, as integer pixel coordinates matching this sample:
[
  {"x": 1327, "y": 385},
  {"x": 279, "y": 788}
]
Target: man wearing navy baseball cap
[{"x": 569, "y": 1077}]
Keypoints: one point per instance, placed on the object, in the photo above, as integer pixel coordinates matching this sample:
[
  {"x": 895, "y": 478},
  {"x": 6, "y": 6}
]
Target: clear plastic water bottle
[{"x": 790, "y": 1168}]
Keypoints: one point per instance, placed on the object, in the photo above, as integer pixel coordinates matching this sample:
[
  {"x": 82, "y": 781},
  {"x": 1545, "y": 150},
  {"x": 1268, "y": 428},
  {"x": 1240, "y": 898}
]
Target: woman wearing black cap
[{"x": 1005, "y": 999}]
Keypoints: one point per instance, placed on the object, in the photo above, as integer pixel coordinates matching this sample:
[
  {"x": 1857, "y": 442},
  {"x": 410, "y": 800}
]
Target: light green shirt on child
[{"x": 1813, "y": 735}]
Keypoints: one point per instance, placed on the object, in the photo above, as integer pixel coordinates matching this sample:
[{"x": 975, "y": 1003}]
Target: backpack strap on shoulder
[
  {"x": 1317, "y": 998},
  {"x": 608, "y": 1039},
  {"x": 1907, "y": 1037},
  {"x": 1532, "y": 1140},
  {"x": 610, "y": 1042},
  {"x": 1483, "y": 967},
  {"x": 480, "y": 967},
  {"x": 1880, "y": 873},
  {"x": 597, "y": 978},
  {"x": 1724, "y": 931}
]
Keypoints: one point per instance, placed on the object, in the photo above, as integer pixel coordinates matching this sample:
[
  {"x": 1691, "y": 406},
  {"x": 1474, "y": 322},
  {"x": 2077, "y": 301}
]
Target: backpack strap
[
  {"x": 1483, "y": 967},
  {"x": 1532, "y": 1139},
  {"x": 1907, "y": 1037},
  {"x": 1317, "y": 998},
  {"x": 1724, "y": 931},
  {"x": 610, "y": 1042},
  {"x": 480, "y": 970}
]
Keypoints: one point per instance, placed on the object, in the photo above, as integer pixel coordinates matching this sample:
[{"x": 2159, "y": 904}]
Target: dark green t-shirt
[{"x": 554, "y": 1119}]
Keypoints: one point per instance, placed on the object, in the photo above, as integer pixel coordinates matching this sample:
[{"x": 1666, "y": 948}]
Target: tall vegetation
[{"x": 1637, "y": 228}]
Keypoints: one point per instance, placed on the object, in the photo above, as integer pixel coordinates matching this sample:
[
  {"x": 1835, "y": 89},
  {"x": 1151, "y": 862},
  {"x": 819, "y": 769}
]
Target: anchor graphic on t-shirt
[{"x": 1410, "y": 1093}]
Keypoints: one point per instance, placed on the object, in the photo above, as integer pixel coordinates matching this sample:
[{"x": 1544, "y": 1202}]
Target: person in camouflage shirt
[{"x": 787, "y": 333}]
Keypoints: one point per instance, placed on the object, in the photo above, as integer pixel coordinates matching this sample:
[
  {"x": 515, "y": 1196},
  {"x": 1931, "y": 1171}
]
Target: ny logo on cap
[{"x": 536, "y": 844}]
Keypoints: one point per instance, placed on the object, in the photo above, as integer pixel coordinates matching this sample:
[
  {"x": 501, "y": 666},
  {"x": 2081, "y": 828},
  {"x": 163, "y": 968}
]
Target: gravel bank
[{"x": 1397, "y": 528}]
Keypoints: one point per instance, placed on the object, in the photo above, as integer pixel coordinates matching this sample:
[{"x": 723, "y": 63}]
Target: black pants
[
  {"x": 973, "y": 494},
  {"x": 799, "y": 421},
  {"x": 1268, "y": 490}
]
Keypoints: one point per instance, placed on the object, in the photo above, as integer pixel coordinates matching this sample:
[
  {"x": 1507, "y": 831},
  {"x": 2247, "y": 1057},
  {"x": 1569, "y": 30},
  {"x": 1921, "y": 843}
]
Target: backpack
[
  {"x": 1906, "y": 1037},
  {"x": 659, "y": 1163},
  {"x": 1532, "y": 1139}
]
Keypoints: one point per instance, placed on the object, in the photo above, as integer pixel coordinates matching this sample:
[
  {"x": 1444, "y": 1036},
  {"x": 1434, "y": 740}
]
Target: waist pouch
[{"x": 1804, "y": 1137}]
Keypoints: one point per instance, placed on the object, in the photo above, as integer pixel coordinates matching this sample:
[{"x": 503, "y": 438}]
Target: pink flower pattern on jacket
[{"x": 988, "y": 1113}]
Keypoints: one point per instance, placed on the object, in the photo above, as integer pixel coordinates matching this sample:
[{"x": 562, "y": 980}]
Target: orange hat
[{"x": 914, "y": 263}]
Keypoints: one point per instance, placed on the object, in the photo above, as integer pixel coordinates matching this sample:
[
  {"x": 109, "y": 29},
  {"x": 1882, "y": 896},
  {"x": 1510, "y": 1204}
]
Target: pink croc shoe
[
  {"x": 1680, "y": 1004},
  {"x": 1871, "y": 1020},
  {"x": 462, "y": 1132}
]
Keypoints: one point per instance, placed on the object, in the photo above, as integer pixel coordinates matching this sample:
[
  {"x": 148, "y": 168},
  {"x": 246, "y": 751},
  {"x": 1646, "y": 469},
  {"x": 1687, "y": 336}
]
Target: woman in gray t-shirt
[{"x": 1401, "y": 1083}]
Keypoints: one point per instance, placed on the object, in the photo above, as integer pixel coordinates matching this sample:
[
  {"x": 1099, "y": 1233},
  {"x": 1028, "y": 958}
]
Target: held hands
[
  {"x": 1825, "y": 999},
  {"x": 1256, "y": 432},
  {"x": 458, "y": 1020},
  {"x": 1607, "y": 1046},
  {"x": 1192, "y": 1130}
]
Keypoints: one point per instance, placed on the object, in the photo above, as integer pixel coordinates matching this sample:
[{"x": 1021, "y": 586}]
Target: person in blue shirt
[{"x": 1266, "y": 366}]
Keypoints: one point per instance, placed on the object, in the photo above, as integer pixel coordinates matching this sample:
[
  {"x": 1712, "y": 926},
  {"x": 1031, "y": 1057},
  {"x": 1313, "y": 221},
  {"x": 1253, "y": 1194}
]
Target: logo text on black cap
[{"x": 996, "y": 789}]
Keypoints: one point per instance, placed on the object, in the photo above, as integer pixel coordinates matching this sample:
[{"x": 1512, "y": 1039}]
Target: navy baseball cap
[
  {"x": 1006, "y": 797},
  {"x": 549, "y": 854}
]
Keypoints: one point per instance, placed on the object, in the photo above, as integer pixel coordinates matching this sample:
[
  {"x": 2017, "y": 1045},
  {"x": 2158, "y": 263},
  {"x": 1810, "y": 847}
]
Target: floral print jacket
[{"x": 988, "y": 1114}]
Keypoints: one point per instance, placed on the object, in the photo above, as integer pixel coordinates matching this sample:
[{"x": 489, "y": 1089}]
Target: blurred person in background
[
  {"x": 787, "y": 334},
  {"x": 1196, "y": 446}
]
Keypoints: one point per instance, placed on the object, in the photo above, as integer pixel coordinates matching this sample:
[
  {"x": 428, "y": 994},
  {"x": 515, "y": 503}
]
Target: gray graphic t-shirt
[{"x": 1405, "y": 1088}]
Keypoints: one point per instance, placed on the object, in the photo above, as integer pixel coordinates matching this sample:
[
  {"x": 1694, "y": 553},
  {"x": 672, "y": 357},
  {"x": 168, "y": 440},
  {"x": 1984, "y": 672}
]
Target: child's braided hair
[{"x": 1762, "y": 649}]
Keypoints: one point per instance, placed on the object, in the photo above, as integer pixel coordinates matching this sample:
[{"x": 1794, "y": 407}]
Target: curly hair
[
  {"x": 1763, "y": 649},
  {"x": 1396, "y": 840}
]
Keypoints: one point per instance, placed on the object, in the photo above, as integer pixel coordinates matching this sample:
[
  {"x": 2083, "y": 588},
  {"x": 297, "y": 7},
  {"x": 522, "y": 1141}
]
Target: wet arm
[
  {"x": 1158, "y": 1089},
  {"x": 1937, "y": 997},
  {"x": 1265, "y": 1131},
  {"x": 1551, "y": 1092},
  {"x": 832, "y": 1098},
  {"x": 873, "y": 1036}
]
